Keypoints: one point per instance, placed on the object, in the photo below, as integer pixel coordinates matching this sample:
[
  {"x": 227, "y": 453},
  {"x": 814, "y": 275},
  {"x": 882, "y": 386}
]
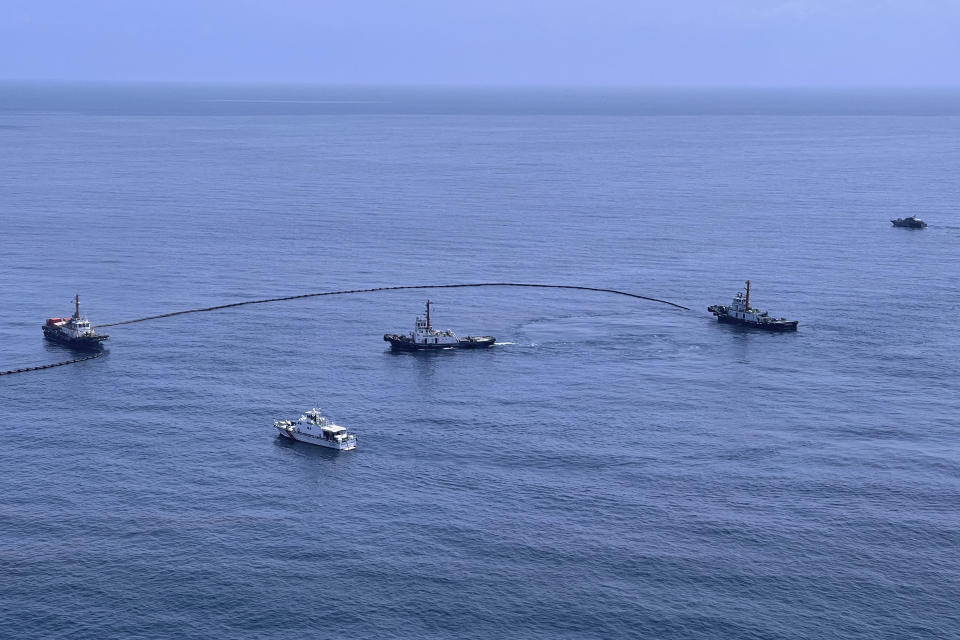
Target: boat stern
[
  {"x": 718, "y": 309},
  {"x": 349, "y": 443}
]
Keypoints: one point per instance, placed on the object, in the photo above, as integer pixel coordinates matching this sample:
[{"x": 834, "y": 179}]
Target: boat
[
  {"x": 425, "y": 338},
  {"x": 312, "y": 427},
  {"x": 741, "y": 313},
  {"x": 913, "y": 222},
  {"x": 74, "y": 332}
]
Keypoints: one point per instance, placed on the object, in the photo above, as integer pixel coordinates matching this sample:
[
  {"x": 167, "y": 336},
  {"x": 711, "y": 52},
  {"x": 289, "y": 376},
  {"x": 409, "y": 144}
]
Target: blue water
[{"x": 615, "y": 469}]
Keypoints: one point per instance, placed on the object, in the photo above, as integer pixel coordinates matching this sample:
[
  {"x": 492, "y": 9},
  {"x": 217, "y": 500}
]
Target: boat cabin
[
  {"x": 424, "y": 333},
  {"x": 335, "y": 432},
  {"x": 314, "y": 417}
]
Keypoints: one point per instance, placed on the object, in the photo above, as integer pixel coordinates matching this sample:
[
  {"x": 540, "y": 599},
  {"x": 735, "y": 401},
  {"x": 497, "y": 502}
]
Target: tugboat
[
  {"x": 913, "y": 222},
  {"x": 426, "y": 338},
  {"x": 74, "y": 332},
  {"x": 312, "y": 427},
  {"x": 740, "y": 312}
]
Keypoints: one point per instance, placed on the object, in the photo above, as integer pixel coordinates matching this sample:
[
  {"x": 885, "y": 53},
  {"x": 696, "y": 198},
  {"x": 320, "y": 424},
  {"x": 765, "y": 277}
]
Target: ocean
[{"x": 613, "y": 468}]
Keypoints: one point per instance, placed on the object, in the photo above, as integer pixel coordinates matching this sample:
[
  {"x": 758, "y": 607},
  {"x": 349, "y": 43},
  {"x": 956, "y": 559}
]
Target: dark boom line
[
  {"x": 397, "y": 288},
  {"x": 346, "y": 292}
]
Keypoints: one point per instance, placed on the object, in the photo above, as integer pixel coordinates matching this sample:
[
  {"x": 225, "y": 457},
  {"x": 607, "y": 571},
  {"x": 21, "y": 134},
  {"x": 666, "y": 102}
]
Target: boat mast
[
  {"x": 76, "y": 300},
  {"x": 429, "y": 328},
  {"x": 748, "y": 296}
]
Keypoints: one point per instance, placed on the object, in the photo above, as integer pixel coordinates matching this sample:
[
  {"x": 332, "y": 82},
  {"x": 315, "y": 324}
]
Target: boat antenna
[
  {"x": 428, "y": 316},
  {"x": 748, "y": 296},
  {"x": 76, "y": 299}
]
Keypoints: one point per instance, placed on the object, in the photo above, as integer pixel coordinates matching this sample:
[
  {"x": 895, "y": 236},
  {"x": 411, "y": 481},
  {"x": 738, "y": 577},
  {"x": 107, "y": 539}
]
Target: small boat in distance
[
  {"x": 739, "y": 312},
  {"x": 425, "y": 338},
  {"x": 312, "y": 427},
  {"x": 913, "y": 222},
  {"x": 74, "y": 332}
]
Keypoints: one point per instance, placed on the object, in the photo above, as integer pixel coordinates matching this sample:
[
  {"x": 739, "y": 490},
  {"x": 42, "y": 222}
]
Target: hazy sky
[{"x": 623, "y": 42}]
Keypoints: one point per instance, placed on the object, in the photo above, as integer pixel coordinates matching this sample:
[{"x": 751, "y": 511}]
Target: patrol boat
[
  {"x": 74, "y": 332},
  {"x": 913, "y": 222},
  {"x": 312, "y": 427},
  {"x": 740, "y": 312},
  {"x": 426, "y": 338}
]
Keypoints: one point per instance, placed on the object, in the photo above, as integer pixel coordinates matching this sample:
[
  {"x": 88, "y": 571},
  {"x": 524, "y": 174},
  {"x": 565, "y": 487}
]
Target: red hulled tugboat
[
  {"x": 425, "y": 338},
  {"x": 74, "y": 332},
  {"x": 739, "y": 312}
]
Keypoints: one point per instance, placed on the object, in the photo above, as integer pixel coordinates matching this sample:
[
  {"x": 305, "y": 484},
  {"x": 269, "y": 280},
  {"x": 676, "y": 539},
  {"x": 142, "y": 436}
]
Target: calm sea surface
[{"x": 615, "y": 469}]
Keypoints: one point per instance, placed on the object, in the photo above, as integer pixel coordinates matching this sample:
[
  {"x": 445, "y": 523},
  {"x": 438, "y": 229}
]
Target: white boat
[{"x": 312, "y": 427}]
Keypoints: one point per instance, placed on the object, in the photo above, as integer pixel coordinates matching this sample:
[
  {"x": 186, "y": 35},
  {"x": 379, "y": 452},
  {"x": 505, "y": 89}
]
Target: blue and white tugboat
[
  {"x": 312, "y": 427},
  {"x": 426, "y": 338},
  {"x": 74, "y": 332},
  {"x": 740, "y": 312}
]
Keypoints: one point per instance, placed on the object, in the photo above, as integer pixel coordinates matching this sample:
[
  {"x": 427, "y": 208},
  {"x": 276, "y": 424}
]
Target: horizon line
[{"x": 477, "y": 85}]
